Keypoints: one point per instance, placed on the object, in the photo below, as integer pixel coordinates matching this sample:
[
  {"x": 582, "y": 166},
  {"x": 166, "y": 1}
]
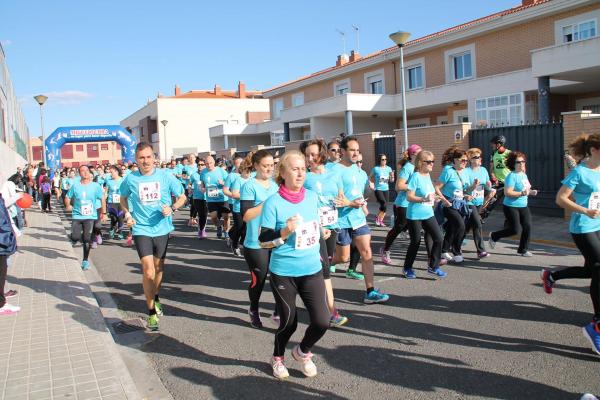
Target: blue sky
[{"x": 100, "y": 61}]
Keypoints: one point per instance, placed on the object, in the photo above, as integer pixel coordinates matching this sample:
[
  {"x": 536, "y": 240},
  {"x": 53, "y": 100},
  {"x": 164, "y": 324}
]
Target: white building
[{"x": 199, "y": 121}]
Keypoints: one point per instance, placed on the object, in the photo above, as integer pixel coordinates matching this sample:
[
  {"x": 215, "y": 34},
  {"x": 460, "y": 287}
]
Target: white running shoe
[
  {"x": 526, "y": 254},
  {"x": 307, "y": 367},
  {"x": 279, "y": 369},
  {"x": 458, "y": 259},
  {"x": 9, "y": 309},
  {"x": 447, "y": 256},
  {"x": 491, "y": 243}
]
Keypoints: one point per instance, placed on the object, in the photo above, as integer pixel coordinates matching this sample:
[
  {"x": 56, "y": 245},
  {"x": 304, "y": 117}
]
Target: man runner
[{"x": 149, "y": 192}]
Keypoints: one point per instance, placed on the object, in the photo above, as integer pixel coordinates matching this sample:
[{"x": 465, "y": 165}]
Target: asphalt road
[{"x": 486, "y": 331}]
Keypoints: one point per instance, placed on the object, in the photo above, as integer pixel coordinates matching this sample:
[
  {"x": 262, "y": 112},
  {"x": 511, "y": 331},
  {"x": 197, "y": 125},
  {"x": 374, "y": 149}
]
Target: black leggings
[
  {"x": 433, "y": 242},
  {"x": 193, "y": 211},
  {"x": 237, "y": 230},
  {"x": 519, "y": 221},
  {"x": 311, "y": 289},
  {"x": 81, "y": 230},
  {"x": 475, "y": 224},
  {"x": 258, "y": 263},
  {"x": 400, "y": 224},
  {"x": 455, "y": 231},
  {"x": 46, "y": 202},
  {"x": 202, "y": 211},
  {"x": 3, "y": 272},
  {"x": 589, "y": 246},
  {"x": 326, "y": 249},
  {"x": 381, "y": 196}
]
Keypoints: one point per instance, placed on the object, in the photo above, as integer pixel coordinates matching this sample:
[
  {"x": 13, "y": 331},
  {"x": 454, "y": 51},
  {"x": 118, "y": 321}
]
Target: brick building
[{"x": 76, "y": 154}]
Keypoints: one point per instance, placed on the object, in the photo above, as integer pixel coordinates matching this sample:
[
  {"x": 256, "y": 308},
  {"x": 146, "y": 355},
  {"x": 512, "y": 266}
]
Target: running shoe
[
  {"x": 219, "y": 231},
  {"x": 377, "y": 221},
  {"x": 9, "y": 309},
  {"x": 226, "y": 236},
  {"x": 158, "y": 308},
  {"x": 483, "y": 254},
  {"x": 275, "y": 319},
  {"x": 436, "y": 271},
  {"x": 592, "y": 332},
  {"x": 385, "y": 256},
  {"x": 443, "y": 261},
  {"x": 111, "y": 234},
  {"x": 526, "y": 254},
  {"x": 200, "y": 235},
  {"x": 588, "y": 396},
  {"x": 94, "y": 245},
  {"x": 409, "y": 273},
  {"x": 337, "y": 320},
  {"x": 279, "y": 369},
  {"x": 458, "y": 259},
  {"x": 255, "y": 319},
  {"x": 382, "y": 223},
  {"x": 491, "y": 243},
  {"x": 120, "y": 236},
  {"x": 375, "y": 297},
  {"x": 351, "y": 274},
  {"x": 203, "y": 234},
  {"x": 129, "y": 241},
  {"x": 189, "y": 222},
  {"x": 547, "y": 281},
  {"x": 153, "y": 322},
  {"x": 99, "y": 239},
  {"x": 85, "y": 265},
  {"x": 10, "y": 293},
  {"x": 447, "y": 256},
  {"x": 332, "y": 268},
  {"x": 307, "y": 367},
  {"x": 237, "y": 252}
]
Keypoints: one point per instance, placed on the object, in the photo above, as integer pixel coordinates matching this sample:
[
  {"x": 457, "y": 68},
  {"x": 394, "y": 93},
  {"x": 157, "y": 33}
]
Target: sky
[{"x": 100, "y": 61}]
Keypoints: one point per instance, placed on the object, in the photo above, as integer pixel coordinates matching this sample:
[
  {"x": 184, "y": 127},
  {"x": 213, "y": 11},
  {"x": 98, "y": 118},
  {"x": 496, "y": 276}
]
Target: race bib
[
  {"x": 594, "y": 202},
  {"x": 87, "y": 208},
  {"x": 307, "y": 235},
  {"x": 213, "y": 191},
  {"x": 478, "y": 192},
  {"x": 430, "y": 201},
  {"x": 116, "y": 198},
  {"x": 328, "y": 215},
  {"x": 526, "y": 185},
  {"x": 383, "y": 180},
  {"x": 149, "y": 192},
  {"x": 458, "y": 194}
]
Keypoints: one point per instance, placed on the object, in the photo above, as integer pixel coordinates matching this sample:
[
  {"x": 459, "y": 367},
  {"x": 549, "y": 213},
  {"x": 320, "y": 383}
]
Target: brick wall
[{"x": 256, "y": 117}]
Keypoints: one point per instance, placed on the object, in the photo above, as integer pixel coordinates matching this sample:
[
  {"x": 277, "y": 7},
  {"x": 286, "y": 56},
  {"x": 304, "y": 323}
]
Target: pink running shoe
[
  {"x": 385, "y": 256},
  {"x": 203, "y": 234},
  {"x": 99, "y": 239},
  {"x": 129, "y": 242},
  {"x": 9, "y": 309}
]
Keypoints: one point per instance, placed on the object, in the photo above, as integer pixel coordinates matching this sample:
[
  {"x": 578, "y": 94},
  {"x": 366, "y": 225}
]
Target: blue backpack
[{"x": 8, "y": 241}]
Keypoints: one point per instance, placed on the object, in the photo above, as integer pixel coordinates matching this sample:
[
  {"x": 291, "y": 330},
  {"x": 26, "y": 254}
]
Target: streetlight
[
  {"x": 164, "y": 122},
  {"x": 41, "y": 99},
  {"x": 400, "y": 39}
]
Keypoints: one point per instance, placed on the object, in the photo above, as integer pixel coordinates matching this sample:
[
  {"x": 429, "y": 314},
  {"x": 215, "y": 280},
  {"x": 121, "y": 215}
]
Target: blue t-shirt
[
  {"x": 254, "y": 191},
  {"x": 422, "y": 186},
  {"x": 67, "y": 183},
  {"x": 405, "y": 173},
  {"x": 478, "y": 192},
  {"x": 214, "y": 190},
  {"x": 197, "y": 186},
  {"x": 327, "y": 186},
  {"x": 229, "y": 182},
  {"x": 584, "y": 181},
  {"x": 87, "y": 197},
  {"x": 114, "y": 190},
  {"x": 287, "y": 259},
  {"x": 381, "y": 175},
  {"x": 518, "y": 181},
  {"x": 453, "y": 183},
  {"x": 335, "y": 167},
  {"x": 354, "y": 181},
  {"x": 147, "y": 195},
  {"x": 237, "y": 185}
]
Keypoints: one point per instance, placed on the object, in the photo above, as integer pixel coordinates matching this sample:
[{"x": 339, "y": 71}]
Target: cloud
[{"x": 68, "y": 97}]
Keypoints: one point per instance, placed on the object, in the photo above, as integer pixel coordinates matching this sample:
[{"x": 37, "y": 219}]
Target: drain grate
[{"x": 128, "y": 326}]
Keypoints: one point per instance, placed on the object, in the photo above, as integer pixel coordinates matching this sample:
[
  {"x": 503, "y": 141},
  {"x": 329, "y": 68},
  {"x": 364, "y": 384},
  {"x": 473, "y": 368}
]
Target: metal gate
[
  {"x": 387, "y": 145},
  {"x": 543, "y": 145}
]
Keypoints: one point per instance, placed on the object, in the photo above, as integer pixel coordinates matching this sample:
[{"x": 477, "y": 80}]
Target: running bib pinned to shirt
[
  {"x": 594, "y": 202},
  {"x": 149, "y": 192},
  {"x": 116, "y": 198},
  {"x": 478, "y": 192},
  {"x": 430, "y": 200},
  {"x": 328, "y": 215},
  {"x": 458, "y": 194},
  {"x": 383, "y": 179},
  {"x": 213, "y": 191},
  {"x": 307, "y": 235},
  {"x": 87, "y": 208}
]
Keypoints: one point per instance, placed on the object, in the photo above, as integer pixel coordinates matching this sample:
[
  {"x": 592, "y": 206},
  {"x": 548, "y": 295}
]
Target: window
[
  {"x": 579, "y": 31},
  {"x": 500, "y": 110},
  {"x": 66, "y": 152},
  {"x": 297, "y": 99},
  {"x": 104, "y": 146},
  {"x": 461, "y": 65},
  {"x": 374, "y": 82},
  {"x": 277, "y": 139},
  {"x": 277, "y": 108},
  {"x": 415, "y": 77},
  {"x": 37, "y": 152},
  {"x": 341, "y": 87},
  {"x": 92, "y": 150},
  {"x": 79, "y": 147}
]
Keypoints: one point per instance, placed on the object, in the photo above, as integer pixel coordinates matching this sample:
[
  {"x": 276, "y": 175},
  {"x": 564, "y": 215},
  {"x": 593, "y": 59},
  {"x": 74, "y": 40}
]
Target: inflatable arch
[{"x": 77, "y": 134}]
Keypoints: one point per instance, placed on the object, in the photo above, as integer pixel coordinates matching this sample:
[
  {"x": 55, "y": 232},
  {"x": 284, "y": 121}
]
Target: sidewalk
[{"x": 58, "y": 346}]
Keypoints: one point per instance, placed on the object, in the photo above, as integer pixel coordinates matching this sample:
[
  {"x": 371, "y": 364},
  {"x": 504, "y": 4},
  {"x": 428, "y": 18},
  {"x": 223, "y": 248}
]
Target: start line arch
[{"x": 78, "y": 134}]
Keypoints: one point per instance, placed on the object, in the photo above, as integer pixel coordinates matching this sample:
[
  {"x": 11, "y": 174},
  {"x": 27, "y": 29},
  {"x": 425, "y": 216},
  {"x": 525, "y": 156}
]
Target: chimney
[
  {"x": 241, "y": 90},
  {"x": 177, "y": 90},
  {"x": 341, "y": 60},
  {"x": 217, "y": 90},
  {"x": 354, "y": 56}
]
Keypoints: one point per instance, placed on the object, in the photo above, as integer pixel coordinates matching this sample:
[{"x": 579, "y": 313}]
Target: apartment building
[
  {"x": 181, "y": 124},
  {"x": 524, "y": 64},
  {"x": 76, "y": 154},
  {"x": 14, "y": 133}
]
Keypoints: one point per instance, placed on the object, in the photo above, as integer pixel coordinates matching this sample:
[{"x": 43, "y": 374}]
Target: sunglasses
[
  {"x": 475, "y": 157},
  {"x": 463, "y": 160},
  {"x": 201, "y": 165},
  {"x": 520, "y": 162},
  {"x": 384, "y": 159},
  {"x": 359, "y": 162},
  {"x": 429, "y": 162}
]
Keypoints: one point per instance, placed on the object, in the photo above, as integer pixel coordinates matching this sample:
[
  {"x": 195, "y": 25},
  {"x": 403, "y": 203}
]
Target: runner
[
  {"x": 419, "y": 213},
  {"x": 213, "y": 179},
  {"x": 236, "y": 226},
  {"x": 149, "y": 191},
  {"x": 517, "y": 189},
  {"x": 381, "y": 175},
  {"x": 353, "y": 224},
  {"x": 199, "y": 199},
  {"x": 113, "y": 196},
  {"x": 65, "y": 184},
  {"x": 328, "y": 186},
  {"x": 237, "y": 233},
  {"x": 290, "y": 222},
  {"x": 333, "y": 150},
  {"x": 400, "y": 204},
  {"x": 354, "y": 253},
  {"x": 252, "y": 197},
  {"x": 583, "y": 185},
  {"x": 82, "y": 200}
]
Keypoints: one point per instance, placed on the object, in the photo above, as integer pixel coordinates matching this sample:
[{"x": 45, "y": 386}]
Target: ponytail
[{"x": 581, "y": 146}]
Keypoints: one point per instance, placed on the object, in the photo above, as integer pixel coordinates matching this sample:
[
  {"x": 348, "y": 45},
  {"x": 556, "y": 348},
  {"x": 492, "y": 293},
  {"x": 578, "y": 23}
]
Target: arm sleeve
[
  {"x": 245, "y": 205},
  {"x": 268, "y": 235}
]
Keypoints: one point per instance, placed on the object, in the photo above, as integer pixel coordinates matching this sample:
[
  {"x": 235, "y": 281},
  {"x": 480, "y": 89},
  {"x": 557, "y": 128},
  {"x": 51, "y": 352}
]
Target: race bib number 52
[{"x": 307, "y": 235}]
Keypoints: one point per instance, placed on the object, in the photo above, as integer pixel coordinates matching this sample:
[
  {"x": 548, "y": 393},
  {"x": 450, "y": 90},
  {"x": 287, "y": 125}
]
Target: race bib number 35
[
  {"x": 149, "y": 192},
  {"x": 307, "y": 235}
]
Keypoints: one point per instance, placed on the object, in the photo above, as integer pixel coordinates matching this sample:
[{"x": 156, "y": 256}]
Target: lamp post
[
  {"x": 41, "y": 99},
  {"x": 164, "y": 123},
  {"x": 400, "y": 39}
]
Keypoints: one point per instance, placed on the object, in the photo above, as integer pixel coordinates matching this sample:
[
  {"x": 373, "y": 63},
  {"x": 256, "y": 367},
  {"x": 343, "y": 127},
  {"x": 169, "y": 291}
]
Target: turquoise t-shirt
[
  {"x": 327, "y": 186},
  {"x": 197, "y": 186},
  {"x": 214, "y": 190},
  {"x": 422, "y": 186},
  {"x": 478, "y": 192},
  {"x": 354, "y": 181},
  {"x": 67, "y": 183},
  {"x": 188, "y": 169},
  {"x": 147, "y": 195},
  {"x": 229, "y": 182},
  {"x": 299, "y": 255},
  {"x": 453, "y": 183},
  {"x": 518, "y": 182},
  {"x": 254, "y": 191},
  {"x": 85, "y": 200},
  {"x": 405, "y": 173},
  {"x": 381, "y": 176},
  {"x": 335, "y": 167},
  {"x": 114, "y": 190},
  {"x": 584, "y": 182},
  {"x": 237, "y": 185}
]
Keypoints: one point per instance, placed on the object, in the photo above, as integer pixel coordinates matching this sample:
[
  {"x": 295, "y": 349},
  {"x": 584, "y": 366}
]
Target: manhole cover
[{"x": 129, "y": 325}]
